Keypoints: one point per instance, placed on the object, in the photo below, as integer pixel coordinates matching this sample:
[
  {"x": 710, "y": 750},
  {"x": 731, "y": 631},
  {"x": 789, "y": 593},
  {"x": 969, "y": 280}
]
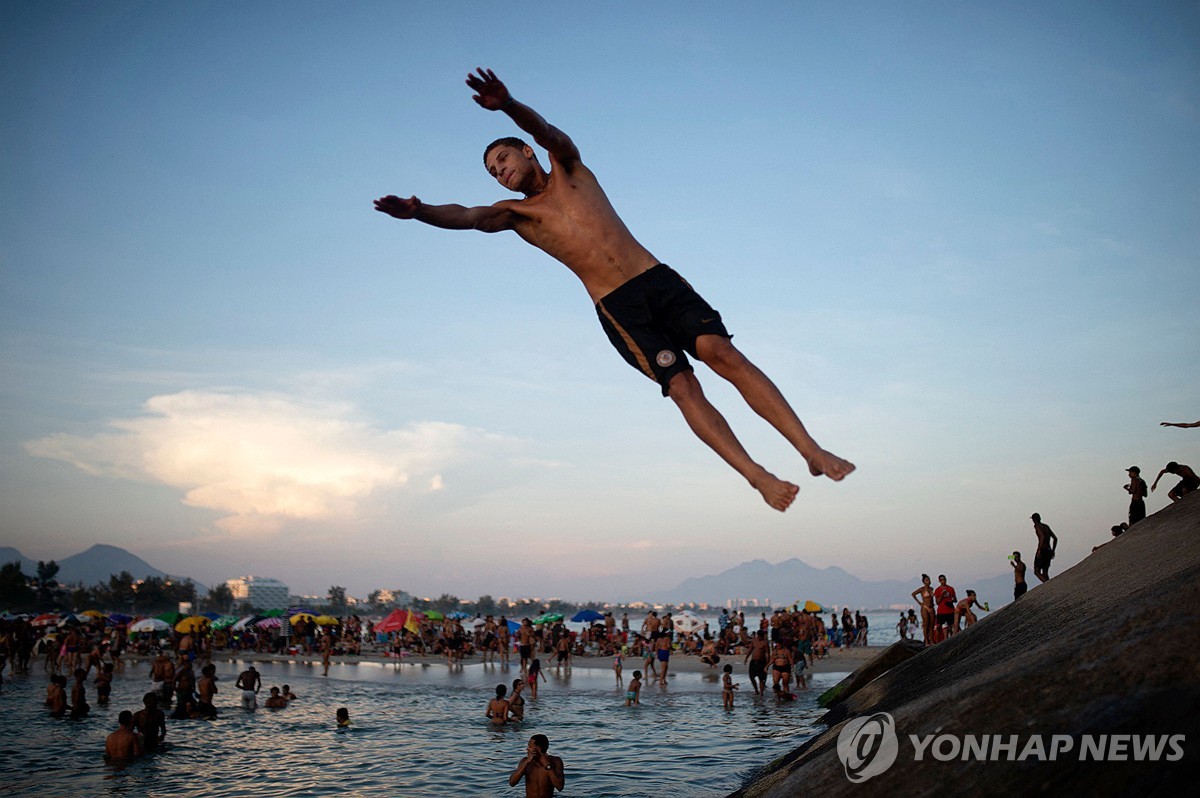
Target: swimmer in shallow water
[
  {"x": 543, "y": 773},
  {"x": 633, "y": 694},
  {"x": 516, "y": 702},
  {"x": 498, "y": 708},
  {"x": 343, "y": 718},
  {"x": 123, "y": 744}
]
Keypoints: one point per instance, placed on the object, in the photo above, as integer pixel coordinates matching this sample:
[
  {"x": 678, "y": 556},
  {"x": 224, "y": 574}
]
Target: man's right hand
[{"x": 399, "y": 208}]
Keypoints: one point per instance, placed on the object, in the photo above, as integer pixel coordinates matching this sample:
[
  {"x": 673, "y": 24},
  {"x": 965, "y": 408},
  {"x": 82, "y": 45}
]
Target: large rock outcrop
[{"x": 1109, "y": 647}]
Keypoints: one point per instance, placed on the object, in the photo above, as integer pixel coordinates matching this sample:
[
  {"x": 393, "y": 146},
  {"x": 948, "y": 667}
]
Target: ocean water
[{"x": 417, "y": 731}]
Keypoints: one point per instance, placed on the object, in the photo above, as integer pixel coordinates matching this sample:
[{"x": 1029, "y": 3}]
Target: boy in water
[
  {"x": 103, "y": 682},
  {"x": 633, "y": 694},
  {"x": 151, "y": 723},
  {"x": 649, "y": 312},
  {"x": 343, "y": 718},
  {"x": 728, "y": 685},
  {"x": 123, "y": 744},
  {"x": 275, "y": 700},
  {"x": 543, "y": 774},
  {"x": 79, "y": 704}
]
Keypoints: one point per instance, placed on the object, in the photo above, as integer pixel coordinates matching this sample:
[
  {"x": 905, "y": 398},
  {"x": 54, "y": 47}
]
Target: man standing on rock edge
[
  {"x": 649, "y": 312},
  {"x": 1019, "y": 586},
  {"x": 1047, "y": 544},
  {"x": 1137, "y": 495}
]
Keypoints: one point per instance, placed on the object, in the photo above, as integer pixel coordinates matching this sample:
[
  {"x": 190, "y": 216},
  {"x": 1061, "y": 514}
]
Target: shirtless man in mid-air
[{"x": 650, "y": 313}]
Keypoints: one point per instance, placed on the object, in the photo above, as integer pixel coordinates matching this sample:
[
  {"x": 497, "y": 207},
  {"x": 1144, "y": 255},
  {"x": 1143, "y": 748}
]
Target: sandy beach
[{"x": 837, "y": 661}]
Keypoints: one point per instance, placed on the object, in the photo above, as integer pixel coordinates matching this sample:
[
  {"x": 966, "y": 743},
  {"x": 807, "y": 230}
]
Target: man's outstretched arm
[
  {"x": 491, "y": 94},
  {"x": 487, "y": 218}
]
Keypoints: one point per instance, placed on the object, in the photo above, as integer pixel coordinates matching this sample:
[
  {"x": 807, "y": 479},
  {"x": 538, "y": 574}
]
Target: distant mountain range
[
  {"x": 795, "y": 580},
  {"x": 95, "y": 565},
  {"x": 783, "y": 583}
]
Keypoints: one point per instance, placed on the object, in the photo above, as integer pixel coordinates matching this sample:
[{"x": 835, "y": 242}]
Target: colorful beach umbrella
[
  {"x": 302, "y": 616},
  {"x": 400, "y": 619},
  {"x": 242, "y": 623},
  {"x": 434, "y": 615},
  {"x": 550, "y": 617},
  {"x": 93, "y": 614},
  {"x": 223, "y": 622},
  {"x": 193, "y": 623},
  {"x": 269, "y": 623},
  {"x": 812, "y": 606},
  {"x": 327, "y": 620},
  {"x": 47, "y": 619}
]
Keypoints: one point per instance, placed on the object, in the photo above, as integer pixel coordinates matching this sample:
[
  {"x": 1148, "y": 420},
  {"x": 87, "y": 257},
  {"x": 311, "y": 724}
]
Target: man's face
[{"x": 510, "y": 166}]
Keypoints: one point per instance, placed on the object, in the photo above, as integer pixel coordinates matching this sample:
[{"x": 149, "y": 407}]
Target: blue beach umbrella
[
  {"x": 586, "y": 616},
  {"x": 512, "y": 625}
]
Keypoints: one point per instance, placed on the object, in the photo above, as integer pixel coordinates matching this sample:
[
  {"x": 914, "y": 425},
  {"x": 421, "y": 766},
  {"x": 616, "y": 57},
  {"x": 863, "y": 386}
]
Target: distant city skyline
[{"x": 961, "y": 238}]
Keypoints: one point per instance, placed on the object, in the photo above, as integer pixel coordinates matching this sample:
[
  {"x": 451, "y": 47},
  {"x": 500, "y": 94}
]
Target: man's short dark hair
[
  {"x": 125, "y": 718},
  {"x": 541, "y": 741},
  {"x": 507, "y": 141}
]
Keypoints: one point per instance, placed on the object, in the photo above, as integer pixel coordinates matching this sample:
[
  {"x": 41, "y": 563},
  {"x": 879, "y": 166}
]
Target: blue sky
[{"x": 960, "y": 237}]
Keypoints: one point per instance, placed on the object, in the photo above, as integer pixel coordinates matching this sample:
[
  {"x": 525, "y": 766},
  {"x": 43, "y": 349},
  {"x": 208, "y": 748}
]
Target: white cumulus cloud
[{"x": 263, "y": 459}]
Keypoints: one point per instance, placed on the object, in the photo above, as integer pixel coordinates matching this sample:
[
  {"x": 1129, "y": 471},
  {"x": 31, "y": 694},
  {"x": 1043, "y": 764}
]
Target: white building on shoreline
[{"x": 259, "y": 592}]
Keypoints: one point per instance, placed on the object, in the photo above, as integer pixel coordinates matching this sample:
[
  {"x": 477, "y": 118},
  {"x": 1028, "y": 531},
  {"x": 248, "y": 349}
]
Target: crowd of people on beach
[{"x": 79, "y": 657}]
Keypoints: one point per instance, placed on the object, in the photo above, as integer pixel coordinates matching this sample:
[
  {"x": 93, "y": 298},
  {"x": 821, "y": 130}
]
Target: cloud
[{"x": 264, "y": 459}]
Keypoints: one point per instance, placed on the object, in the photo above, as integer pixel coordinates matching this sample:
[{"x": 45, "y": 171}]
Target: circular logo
[
  {"x": 665, "y": 358},
  {"x": 868, "y": 746}
]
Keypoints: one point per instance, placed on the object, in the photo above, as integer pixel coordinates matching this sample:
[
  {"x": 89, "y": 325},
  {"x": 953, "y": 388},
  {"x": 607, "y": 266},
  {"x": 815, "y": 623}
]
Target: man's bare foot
[
  {"x": 830, "y": 465},
  {"x": 775, "y": 491}
]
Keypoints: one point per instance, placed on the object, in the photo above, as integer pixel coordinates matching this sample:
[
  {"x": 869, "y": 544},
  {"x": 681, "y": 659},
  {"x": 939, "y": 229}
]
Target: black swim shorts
[
  {"x": 1041, "y": 560},
  {"x": 654, "y": 319}
]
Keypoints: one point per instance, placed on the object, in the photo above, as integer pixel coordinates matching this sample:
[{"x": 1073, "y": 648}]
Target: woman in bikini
[{"x": 924, "y": 596}]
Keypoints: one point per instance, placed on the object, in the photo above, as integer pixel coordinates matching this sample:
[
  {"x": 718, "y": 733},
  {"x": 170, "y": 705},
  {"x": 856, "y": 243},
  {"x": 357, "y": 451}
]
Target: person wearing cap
[
  {"x": 1188, "y": 481},
  {"x": 1137, "y": 495},
  {"x": 1047, "y": 544}
]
